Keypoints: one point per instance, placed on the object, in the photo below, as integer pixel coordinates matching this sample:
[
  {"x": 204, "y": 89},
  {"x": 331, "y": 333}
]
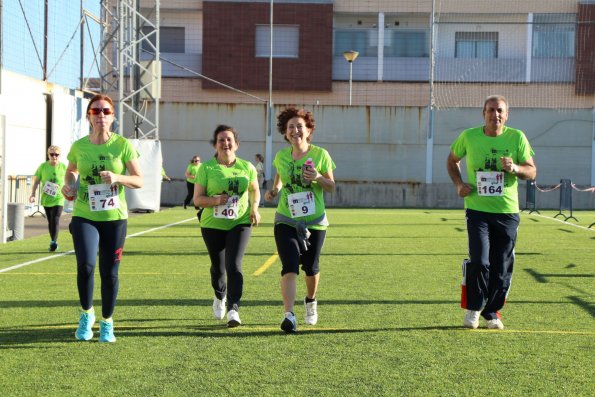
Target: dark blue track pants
[
  {"x": 488, "y": 273},
  {"x": 108, "y": 238}
]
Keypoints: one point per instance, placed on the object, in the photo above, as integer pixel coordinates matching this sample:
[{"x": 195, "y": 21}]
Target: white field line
[
  {"x": 561, "y": 221},
  {"x": 55, "y": 256}
]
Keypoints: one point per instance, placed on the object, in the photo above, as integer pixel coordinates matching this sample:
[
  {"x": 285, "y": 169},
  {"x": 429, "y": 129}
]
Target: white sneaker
[
  {"x": 311, "y": 315},
  {"x": 471, "y": 319},
  {"x": 233, "y": 318},
  {"x": 495, "y": 324},
  {"x": 219, "y": 308}
]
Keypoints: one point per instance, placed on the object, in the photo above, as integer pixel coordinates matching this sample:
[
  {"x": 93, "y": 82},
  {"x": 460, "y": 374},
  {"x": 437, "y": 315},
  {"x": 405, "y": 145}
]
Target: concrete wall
[{"x": 380, "y": 152}]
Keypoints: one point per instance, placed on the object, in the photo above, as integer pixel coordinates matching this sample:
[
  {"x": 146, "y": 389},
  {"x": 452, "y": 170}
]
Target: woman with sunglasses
[
  {"x": 50, "y": 176},
  {"x": 105, "y": 163},
  {"x": 227, "y": 188},
  {"x": 190, "y": 175},
  {"x": 304, "y": 173}
]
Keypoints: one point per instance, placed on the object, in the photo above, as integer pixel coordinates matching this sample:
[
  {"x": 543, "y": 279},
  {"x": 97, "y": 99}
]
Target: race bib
[
  {"x": 103, "y": 197},
  {"x": 228, "y": 210},
  {"x": 490, "y": 183},
  {"x": 301, "y": 204},
  {"x": 51, "y": 189}
]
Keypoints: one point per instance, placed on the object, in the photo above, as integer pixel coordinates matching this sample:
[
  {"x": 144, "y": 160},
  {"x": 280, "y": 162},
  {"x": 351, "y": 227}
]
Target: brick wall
[
  {"x": 585, "y": 50},
  {"x": 229, "y": 48}
]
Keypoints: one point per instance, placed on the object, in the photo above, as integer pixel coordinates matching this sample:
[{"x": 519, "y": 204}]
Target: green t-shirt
[
  {"x": 48, "y": 173},
  {"x": 290, "y": 173},
  {"x": 90, "y": 160},
  {"x": 192, "y": 169},
  {"x": 483, "y": 154},
  {"x": 234, "y": 181}
]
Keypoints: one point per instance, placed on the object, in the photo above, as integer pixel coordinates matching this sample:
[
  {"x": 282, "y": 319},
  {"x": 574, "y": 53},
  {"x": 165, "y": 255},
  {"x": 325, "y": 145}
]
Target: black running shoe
[{"x": 289, "y": 324}]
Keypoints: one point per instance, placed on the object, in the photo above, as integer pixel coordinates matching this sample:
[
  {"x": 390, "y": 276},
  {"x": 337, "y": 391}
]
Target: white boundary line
[
  {"x": 47, "y": 258},
  {"x": 561, "y": 221}
]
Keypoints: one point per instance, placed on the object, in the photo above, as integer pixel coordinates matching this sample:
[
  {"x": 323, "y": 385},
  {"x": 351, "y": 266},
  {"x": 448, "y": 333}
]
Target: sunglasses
[
  {"x": 96, "y": 111},
  {"x": 196, "y": 161},
  {"x": 54, "y": 154}
]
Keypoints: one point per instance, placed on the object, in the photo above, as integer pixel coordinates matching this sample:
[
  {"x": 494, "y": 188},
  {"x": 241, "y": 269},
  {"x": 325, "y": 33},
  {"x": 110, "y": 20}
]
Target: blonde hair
[{"x": 54, "y": 148}]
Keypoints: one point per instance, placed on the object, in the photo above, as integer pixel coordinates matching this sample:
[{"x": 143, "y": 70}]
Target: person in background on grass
[
  {"x": 259, "y": 159},
  {"x": 304, "y": 173},
  {"x": 227, "y": 189},
  {"x": 105, "y": 163},
  {"x": 50, "y": 176},
  {"x": 497, "y": 156},
  {"x": 190, "y": 175}
]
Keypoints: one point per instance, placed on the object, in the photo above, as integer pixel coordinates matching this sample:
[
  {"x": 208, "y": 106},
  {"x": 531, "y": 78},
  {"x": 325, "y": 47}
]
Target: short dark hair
[
  {"x": 495, "y": 98},
  {"x": 291, "y": 112},
  {"x": 222, "y": 127}
]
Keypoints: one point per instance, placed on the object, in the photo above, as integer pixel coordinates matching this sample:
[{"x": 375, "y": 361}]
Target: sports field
[{"x": 389, "y": 317}]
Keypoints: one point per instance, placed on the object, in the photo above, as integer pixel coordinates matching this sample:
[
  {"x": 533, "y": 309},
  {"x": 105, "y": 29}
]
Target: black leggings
[
  {"x": 108, "y": 238},
  {"x": 226, "y": 250},
  {"x": 190, "y": 195},
  {"x": 53, "y": 216}
]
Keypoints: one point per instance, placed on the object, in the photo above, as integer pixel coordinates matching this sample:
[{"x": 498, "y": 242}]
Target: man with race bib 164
[{"x": 496, "y": 157}]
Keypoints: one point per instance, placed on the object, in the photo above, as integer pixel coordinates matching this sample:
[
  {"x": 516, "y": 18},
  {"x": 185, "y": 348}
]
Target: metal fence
[{"x": 19, "y": 190}]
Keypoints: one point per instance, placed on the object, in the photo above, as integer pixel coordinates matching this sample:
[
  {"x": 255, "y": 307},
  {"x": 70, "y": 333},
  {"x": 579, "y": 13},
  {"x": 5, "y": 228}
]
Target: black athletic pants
[
  {"x": 226, "y": 250},
  {"x": 53, "y": 216}
]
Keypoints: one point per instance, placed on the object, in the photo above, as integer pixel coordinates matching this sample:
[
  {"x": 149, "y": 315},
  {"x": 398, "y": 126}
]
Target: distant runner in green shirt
[
  {"x": 104, "y": 163},
  {"x": 190, "y": 175},
  {"x": 496, "y": 157},
  {"x": 50, "y": 176},
  {"x": 304, "y": 173},
  {"x": 227, "y": 188}
]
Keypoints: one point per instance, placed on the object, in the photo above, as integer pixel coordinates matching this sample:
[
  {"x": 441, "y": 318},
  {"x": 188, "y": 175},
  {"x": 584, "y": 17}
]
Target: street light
[{"x": 350, "y": 57}]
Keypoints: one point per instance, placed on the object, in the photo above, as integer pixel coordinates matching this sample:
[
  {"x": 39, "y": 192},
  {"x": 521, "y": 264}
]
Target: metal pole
[
  {"x": 1, "y": 63},
  {"x": 269, "y": 111},
  {"x": 430, "y": 136},
  {"x": 136, "y": 30},
  {"x": 45, "y": 41},
  {"x": 350, "y": 80},
  {"x": 593, "y": 147},
  {"x": 82, "y": 47}
]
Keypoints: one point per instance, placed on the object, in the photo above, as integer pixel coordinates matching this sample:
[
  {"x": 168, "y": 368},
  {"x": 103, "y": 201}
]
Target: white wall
[
  {"x": 23, "y": 104},
  {"x": 380, "y": 151}
]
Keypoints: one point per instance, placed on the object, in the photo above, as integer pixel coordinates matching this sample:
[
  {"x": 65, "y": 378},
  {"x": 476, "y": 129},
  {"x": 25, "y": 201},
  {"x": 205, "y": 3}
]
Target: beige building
[
  {"x": 529, "y": 51},
  {"x": 388, "y": 117}
]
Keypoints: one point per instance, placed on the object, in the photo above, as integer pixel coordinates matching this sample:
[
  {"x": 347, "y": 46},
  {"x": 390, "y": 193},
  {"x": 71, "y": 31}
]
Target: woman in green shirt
[
  {"x": 227, "y": 188},
  {"x": 104, "y": 163},
  {"x": 50, "y": 176},
  {"x": 304, "y": 173},
  {"x": 190, "y": 175}
]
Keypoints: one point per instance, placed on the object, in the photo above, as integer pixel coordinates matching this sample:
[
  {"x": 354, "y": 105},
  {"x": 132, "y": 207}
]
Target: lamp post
[{"x": 350, "y": 57}]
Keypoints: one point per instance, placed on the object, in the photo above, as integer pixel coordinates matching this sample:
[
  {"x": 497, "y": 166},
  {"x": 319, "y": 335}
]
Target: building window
[
  {"x": 364, "y": 41},
  {"x": 286, "y": 41},
  {"x": 553, "y": 35},
  {"x": 476, "y": 45},
  {"x": 406, "y": 43},
  {"x": 172, "y": 39}
]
